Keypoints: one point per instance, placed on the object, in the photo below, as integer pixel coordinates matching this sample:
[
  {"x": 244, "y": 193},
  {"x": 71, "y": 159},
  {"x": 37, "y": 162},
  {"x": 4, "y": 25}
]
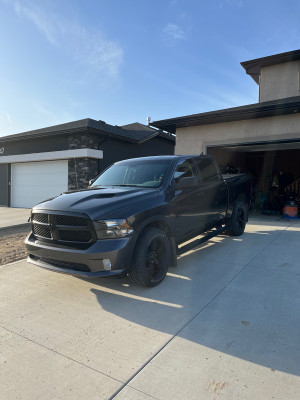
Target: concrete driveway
[
  {"x": 13, "y": 216},
  {"x": 225, "y": 324}
]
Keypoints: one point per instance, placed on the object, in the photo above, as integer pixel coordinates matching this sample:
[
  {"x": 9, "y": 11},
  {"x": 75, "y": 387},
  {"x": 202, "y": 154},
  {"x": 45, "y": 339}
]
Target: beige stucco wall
[
  {"x": 196, "y": 139},
  {"x": 279, "y": 81}
]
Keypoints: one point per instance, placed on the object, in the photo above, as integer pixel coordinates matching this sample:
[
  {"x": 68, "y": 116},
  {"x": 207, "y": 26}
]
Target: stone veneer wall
[
  {"x": 81, "y": 170},
  {"x": 83, "y": 140}
]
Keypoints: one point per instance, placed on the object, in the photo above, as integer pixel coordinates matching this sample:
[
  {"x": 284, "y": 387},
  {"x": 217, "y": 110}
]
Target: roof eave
[
  {"x": 253, "y": 67},
  {"x": 231, "y": 116},
  {"x": 34, "y": 135}
]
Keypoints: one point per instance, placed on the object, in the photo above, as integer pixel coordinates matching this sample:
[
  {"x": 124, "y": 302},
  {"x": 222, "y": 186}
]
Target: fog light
[{"x": 107, "y": 264}]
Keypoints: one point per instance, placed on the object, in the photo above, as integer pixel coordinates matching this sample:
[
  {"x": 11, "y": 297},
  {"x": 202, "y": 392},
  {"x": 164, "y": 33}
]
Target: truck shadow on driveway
[{"x": 237, "y": 296}]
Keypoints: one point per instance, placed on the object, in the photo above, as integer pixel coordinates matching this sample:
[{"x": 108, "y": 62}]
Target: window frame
[{"x": 196, "y": 171}]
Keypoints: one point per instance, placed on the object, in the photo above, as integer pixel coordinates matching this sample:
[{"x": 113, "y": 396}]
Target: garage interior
[{"x": 274, "y": 168}]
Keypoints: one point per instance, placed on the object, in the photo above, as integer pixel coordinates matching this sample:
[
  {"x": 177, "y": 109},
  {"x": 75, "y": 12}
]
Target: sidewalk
[{"x": 13, "y": 216}]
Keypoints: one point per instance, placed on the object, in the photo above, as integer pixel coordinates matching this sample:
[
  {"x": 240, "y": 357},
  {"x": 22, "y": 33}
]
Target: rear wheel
[
  {"x": 151, "y": 258},
  {"x": 237, "y": 222}
]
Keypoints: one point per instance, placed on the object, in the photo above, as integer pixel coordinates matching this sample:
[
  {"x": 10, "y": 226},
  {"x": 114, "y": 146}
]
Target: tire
[
  {"x": 237, "y": 222},
  {"x": 151, "y": 258}
]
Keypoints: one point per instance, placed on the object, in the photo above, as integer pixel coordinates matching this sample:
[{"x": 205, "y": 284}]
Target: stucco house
[{"x": 262, "y": 139}]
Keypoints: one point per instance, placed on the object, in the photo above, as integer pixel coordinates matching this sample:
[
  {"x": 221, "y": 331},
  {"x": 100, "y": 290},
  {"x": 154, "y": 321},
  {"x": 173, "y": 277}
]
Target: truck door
[
  {"x": 188, "y": 201},
  {"x": 215, "y": 188}
]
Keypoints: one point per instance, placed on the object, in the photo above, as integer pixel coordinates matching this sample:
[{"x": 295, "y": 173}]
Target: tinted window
[
  {"x": 184, "y": 169},
  {"x": 147, "y": 173},
  {"x": 207, "y": 169}
]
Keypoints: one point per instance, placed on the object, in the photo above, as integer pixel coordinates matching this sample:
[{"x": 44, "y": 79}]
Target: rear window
[{"x": 208, "y": 171}]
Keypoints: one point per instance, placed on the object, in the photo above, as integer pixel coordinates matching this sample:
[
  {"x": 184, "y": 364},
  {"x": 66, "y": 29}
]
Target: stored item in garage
[{"x": 290, "y": 209}]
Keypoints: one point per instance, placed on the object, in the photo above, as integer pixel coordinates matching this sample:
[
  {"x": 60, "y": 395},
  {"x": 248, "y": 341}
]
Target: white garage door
[{"x": 34, "y": 182}]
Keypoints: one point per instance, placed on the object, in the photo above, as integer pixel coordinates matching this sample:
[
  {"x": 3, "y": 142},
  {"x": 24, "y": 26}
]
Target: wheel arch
[{"x": 165, "y": 227}]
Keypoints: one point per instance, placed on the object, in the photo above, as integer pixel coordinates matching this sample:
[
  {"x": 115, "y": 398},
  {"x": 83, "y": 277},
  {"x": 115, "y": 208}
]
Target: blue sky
[{"x": 121, "y": 61}]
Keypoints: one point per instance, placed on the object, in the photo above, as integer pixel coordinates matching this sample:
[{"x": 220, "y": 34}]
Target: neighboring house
[
  {"x": 40, "y": 164},
  {"x": 262, "y": 138}
]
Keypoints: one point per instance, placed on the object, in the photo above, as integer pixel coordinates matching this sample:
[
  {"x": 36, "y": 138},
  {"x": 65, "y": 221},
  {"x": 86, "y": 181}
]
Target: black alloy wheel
[
  {"x": 156, "y": 256},
  {"x": 241, "y": 218},
  {"x": 151, "y": 258},
  {"x": 238, "y": 220}
]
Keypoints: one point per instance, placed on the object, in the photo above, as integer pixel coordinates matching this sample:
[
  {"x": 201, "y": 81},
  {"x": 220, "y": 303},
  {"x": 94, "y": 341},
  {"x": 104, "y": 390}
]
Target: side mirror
[
  {"x": 185, "y": 183},
  {"x": 91, "y": 181}
]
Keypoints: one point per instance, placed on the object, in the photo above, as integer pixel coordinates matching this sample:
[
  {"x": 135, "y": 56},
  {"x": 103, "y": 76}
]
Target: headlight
[{"x": 112, "y": 229}]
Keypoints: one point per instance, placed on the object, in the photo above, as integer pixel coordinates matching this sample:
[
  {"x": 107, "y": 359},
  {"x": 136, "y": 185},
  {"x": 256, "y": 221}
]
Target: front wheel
[
  {"x": 237, "y": 222},
  {"x": 151, "y": 258}
]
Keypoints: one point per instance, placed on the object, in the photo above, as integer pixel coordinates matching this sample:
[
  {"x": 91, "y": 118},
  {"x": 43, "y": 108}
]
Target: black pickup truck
[{"x": 136, "y": 216}]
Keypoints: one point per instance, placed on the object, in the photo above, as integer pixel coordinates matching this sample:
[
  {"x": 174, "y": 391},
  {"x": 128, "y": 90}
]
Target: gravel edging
[{"x": 12, "y": 247}]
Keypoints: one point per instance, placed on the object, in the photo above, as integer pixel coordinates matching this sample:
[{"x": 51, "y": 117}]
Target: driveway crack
[{"x": 60, "y": 354}]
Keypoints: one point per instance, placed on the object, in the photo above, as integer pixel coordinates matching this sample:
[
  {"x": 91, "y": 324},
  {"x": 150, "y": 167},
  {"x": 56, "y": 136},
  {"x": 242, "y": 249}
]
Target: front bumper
[{"x": 82, "y": 262}]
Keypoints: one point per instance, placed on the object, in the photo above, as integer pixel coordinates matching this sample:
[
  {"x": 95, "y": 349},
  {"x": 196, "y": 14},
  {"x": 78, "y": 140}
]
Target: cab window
[
  {"x": 207, "y": 169},
  {"x": 185, "y": 169}
]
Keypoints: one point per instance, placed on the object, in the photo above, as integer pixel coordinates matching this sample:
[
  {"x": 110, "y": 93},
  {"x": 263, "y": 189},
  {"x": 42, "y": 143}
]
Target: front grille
[
  {"x": 75, "y": 236},
  {"x": 70, "y": 220},
  {"x": 61, "y": 228},
  {"x": 41, "y": 231},
  {"x": 38, "y": 217},
  {"x": 62, "y": 264}
]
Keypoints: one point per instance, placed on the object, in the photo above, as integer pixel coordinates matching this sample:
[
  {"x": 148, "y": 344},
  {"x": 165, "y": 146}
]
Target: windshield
[{"x": 145, "y": 173}]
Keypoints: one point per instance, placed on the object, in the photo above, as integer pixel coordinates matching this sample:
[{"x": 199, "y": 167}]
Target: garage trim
[
  {"x": 52, "y": 155},
  {"x": 262, "y": 144}
]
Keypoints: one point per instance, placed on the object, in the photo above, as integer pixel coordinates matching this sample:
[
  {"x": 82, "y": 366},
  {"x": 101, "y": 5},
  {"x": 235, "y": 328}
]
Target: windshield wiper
[
  {"x": 106, "y": 185},
  {"x": 128, "y": 184}
]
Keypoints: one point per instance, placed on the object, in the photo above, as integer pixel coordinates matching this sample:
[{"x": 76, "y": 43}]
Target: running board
[{"x": 197, "y": 242}]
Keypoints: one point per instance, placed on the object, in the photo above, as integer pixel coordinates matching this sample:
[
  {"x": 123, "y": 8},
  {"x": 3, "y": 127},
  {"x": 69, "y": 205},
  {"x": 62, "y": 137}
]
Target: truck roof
[{"x": 167, "y": 157}]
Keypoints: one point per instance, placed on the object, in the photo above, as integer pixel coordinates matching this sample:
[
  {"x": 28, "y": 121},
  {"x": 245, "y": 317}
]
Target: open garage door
[
  {"x": 34, "y": 182},
  {"x": 266, "y": 163}
]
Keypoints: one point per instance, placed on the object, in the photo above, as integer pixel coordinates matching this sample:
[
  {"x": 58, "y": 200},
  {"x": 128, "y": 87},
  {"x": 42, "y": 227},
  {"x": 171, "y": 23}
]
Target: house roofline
[
  {"x": 253, "y": 67},
  {"x": 258, "y": 110},
  {"x": 85, "y": 125}
]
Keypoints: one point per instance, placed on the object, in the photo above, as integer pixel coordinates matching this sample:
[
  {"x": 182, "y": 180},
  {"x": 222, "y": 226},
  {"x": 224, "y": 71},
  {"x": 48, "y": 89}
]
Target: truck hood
[{"x": 100, "y": 202}]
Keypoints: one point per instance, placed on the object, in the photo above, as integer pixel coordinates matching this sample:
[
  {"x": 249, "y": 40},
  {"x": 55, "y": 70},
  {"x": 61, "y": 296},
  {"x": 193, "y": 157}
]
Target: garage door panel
[{"x": 34, "y": 182}]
